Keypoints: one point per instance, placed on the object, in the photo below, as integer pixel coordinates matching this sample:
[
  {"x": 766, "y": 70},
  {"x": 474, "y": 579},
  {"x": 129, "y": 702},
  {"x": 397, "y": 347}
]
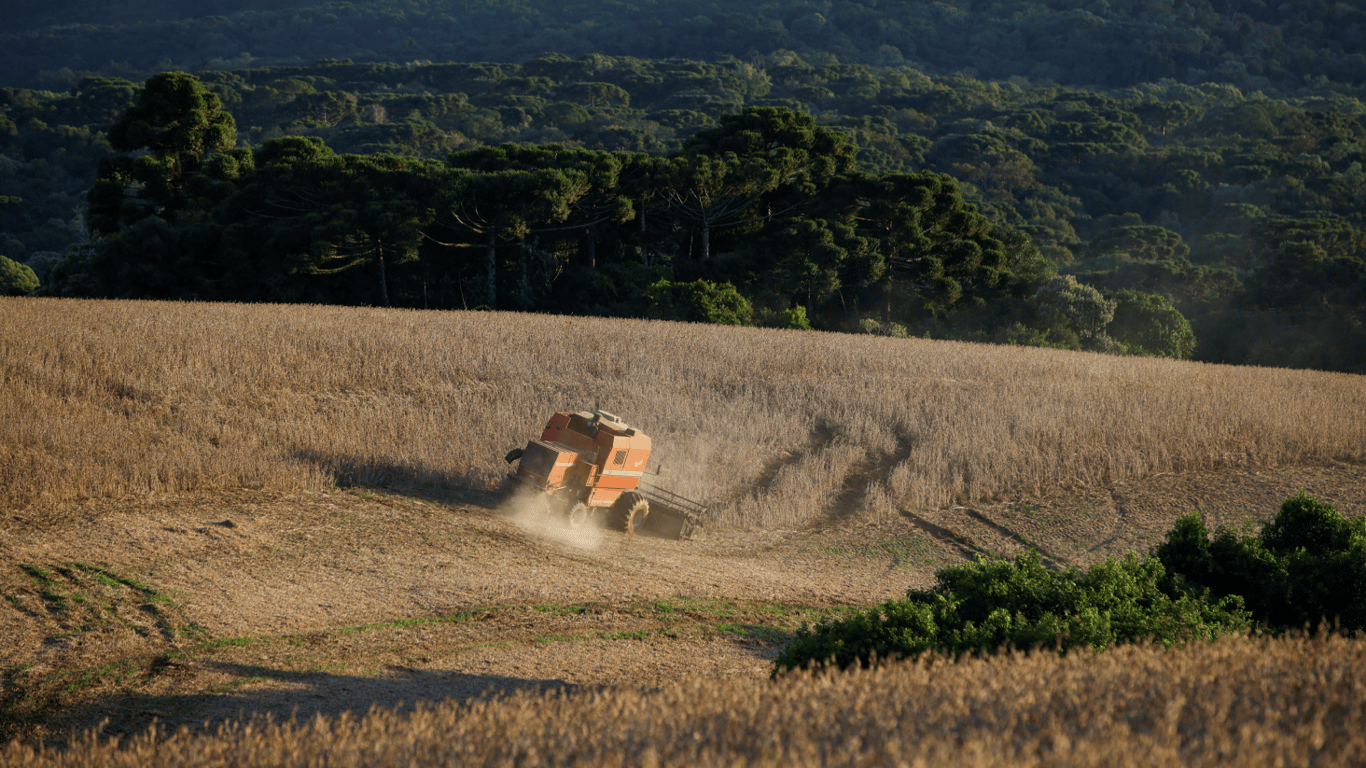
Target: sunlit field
[
  {"x": 1231, "y": 704},
  {"x": 774, "y": 429}
]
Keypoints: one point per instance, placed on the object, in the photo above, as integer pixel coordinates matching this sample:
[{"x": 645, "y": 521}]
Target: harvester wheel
[
  {"x": 628, "y": 513},
  {"x": 579, "y": 515}
]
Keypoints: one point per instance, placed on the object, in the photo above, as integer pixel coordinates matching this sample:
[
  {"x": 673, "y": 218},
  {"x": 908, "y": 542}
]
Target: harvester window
[{"x": 620, "y": 458}]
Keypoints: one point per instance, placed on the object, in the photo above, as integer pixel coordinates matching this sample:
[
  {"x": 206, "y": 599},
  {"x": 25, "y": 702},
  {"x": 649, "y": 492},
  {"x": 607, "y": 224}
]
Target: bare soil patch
[{"x": 215, "y": 606}]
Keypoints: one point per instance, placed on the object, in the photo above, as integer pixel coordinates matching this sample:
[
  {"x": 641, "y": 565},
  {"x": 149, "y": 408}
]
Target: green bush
[
  {"x": 991, "y": 604},
  {"x": 700, "y": 301},
  {"x": 1308, "y": 564},
  {"x": 895, "y": 330},
  {"x": 795, "y": 319},
  {"x": 16, "y": 279}
]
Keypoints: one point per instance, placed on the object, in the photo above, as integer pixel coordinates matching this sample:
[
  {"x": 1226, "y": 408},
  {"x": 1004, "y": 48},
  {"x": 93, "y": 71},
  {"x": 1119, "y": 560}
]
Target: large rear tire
[{"x": 628, "y": 513}]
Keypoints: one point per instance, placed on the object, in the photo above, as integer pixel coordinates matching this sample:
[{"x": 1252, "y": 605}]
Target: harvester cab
[{"x": 589, "y": 468}]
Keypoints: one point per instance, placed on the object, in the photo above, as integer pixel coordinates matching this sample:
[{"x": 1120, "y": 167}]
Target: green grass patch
[
  {"x": 209, "y": 646},
  {"x": 751, "y": 631},
  {"x": 903, "y": 551},
  {"x": 47, "y": 586},
  {"x": 561, "y": 610},
  {"x": 559, "y": 639}
]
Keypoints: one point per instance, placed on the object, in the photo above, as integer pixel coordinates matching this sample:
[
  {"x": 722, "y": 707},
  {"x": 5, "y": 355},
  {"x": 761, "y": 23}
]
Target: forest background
[{"x": 1171, "y": 178}]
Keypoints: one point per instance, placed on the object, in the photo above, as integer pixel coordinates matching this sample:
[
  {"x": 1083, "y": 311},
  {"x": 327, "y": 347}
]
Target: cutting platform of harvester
[{"x": 589, "y": 467}]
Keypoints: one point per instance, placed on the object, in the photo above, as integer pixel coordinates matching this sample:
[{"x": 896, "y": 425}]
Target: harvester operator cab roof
[{"x": 586, "y": 423}]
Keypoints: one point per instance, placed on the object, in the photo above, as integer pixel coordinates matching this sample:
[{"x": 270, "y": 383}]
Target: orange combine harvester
[{"x": 589, "y": 467}]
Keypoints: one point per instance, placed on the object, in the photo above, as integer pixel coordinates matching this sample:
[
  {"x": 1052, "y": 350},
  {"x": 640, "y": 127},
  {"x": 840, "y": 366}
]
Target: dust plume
[{"x": 533, "y": 514}]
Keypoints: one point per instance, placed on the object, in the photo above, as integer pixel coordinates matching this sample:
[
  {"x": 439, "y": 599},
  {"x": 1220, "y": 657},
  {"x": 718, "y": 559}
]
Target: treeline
[
  {"x": 1251, "y": 44},
  {"x": 1244, "y": 213},
  {"x": 766, "y": 217}
]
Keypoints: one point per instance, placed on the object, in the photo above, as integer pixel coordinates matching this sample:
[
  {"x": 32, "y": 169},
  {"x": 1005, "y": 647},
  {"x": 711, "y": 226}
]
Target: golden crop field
[
  {"x": 775, "y": 429},
  {"x": 1233, "y": 703}
]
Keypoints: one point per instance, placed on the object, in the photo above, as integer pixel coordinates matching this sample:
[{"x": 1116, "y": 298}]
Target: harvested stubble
[
  {"x": 778, "y": 429},
  {"x": 1236, "y": 702}
]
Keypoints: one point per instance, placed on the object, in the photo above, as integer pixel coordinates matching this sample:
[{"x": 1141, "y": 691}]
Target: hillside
[
  {"x": 774, "y": 429},
  {"x": 219, "y": 509},
  {"x": 1093, "y": 44},
  {"x": 1193, "y": 161}
]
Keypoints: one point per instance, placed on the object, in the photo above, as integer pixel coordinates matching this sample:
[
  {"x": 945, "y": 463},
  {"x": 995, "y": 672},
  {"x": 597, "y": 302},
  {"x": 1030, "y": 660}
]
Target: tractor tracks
[
  {"x": 821, "y": 437},
  {"x": 965, "y": 546},
  {"x": 1049, "y": 559},
  {"x": 860, "y": 478},
  {"x": 871, "y": 472},
  {"x": 1122, "y": 522}
]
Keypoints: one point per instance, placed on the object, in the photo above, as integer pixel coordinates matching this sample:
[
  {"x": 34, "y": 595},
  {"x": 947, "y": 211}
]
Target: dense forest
[{"x": 1174, "y": 178}]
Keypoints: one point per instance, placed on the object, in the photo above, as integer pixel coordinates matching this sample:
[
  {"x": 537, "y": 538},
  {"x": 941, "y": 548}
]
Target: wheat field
[
  {"x": 775, "y": 429},
  {"x": 1236, "y": 702}
]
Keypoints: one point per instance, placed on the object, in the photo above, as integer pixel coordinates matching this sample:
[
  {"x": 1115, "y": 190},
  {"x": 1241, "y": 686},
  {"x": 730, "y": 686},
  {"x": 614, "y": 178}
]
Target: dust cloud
[{"x": 532, "y": 513}]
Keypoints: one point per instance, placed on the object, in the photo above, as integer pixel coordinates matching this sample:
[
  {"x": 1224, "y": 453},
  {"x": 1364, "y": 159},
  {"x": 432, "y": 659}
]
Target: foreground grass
[
  {"x": 777, "y": 429},
  {"x": 1234, "y": 702}
]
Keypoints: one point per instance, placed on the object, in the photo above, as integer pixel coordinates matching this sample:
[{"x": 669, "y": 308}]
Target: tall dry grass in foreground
[
  {"x": 775, "y": 428},
  {"x": 1291, "y": 702}
]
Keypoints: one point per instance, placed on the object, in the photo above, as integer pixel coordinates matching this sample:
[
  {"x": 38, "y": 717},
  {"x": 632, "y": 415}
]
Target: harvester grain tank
[{"x": 589, "y": 467}]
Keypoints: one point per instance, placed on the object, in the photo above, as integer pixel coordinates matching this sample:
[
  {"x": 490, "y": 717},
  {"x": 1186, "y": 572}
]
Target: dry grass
[
  {"x": 1293, "y": 702},
  {"x": 778, "y": 429}
]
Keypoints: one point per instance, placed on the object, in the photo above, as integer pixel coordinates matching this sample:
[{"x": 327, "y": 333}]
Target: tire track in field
[
  {"x": 948, "y": 538},
  {"x": 1049, "y": 559},
  {"x": 860, "y": 479},
  {"x": 1123, "y": 524},
  {"x": 821, "y": 437}
]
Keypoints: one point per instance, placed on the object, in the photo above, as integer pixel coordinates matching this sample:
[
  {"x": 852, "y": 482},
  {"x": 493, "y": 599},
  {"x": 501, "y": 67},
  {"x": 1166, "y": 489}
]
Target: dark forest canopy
[
  {"x": 1222, "y": 205},
  {"x": 767, "y": 209},
  {"x": 1251, "y": 44}
]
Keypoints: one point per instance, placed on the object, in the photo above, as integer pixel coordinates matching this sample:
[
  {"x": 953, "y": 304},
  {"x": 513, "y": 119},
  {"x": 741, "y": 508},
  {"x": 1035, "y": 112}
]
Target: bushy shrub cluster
[
  {"x": 989, "y": 604},
  {"x": 1307, "y": 564}
]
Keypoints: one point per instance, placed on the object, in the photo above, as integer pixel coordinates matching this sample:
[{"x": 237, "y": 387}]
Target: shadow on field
[
  {"x": 280, "y": 695},
  {"x": 415, "y": 480}
]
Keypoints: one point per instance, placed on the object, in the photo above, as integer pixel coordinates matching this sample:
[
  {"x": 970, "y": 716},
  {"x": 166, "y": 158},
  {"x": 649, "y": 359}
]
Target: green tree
[
  {"x": 1148, "y": 324},
  {"x": 103, "y": 99},
  {"x": 758, "y": 164},
  {"x": 179, "y": 122},
  {"x": 1077, "y": 311},
  {"x": 940, "y": 254},
  {"x": 371, "y": 210},
  {"x": 505, "y": 206},
  {"x": 1141, "y": 243},
  {"x": 713, "y": 193},
  {"x": 816, "y": 258},
  {"x": 592, "y": 184}
]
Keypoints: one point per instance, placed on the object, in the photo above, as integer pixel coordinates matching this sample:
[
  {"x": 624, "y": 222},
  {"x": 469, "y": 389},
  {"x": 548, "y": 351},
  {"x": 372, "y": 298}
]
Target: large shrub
[
  {"x": 1306, "y": 565},
  {"x": 16, "y": 279},
  {"x": 700, "y": 301},
  {"x": 990, "y": 604}
]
